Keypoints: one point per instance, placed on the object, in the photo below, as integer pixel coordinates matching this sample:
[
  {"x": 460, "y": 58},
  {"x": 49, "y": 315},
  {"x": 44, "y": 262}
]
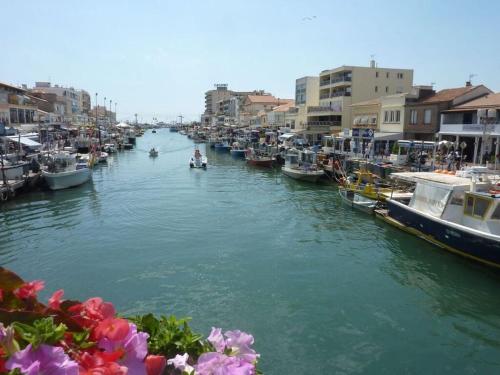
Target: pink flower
[
  {"x": 135, "y": 347},
  {"x": 155, "y": 364},
  {"x": 92, "y": 311},
  {"x": 55, "y": 299},
  {"x": 180, "y": 363},
  {"x": 221, "y": 364},
  {"x": 29, "y": 290},
  {"x": 45, "y": 359},
  {"x": 239, "y": 342},
  {"x": 217, "y": 340}
]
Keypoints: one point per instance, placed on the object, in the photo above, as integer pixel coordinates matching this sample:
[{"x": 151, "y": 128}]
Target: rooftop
[
  {"x": 488, "y": 101},
  {"x": 6, "y": 85},
  {"x": 447, "y": 95},
  {"x": 267, "y": 99}
]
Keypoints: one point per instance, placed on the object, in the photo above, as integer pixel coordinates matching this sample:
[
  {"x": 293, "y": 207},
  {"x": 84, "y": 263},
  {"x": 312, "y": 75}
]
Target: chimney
[{"x": 468, "y": 84}]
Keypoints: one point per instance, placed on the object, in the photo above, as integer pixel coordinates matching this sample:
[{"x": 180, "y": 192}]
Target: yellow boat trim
[{"x": 432, "y": 240}]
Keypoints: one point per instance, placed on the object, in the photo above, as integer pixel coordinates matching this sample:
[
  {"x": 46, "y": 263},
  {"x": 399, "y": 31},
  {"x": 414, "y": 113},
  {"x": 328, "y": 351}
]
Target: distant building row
[{"x": 48, "y": 104}]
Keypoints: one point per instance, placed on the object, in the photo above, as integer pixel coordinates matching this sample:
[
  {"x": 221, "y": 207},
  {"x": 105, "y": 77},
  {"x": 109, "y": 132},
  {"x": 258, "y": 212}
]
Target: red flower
[
  {"x": 155, "y": 364},
  {"x": 2, "y": 361},
  {"x": 1, "y": 295},
  {"x": 101, "y": 363},
  {"x": 92, "y": 311},
  {"x": 114, "y": 329},
  {"x": 28, "y": 290},
  {"x": 55, "y": 300}
]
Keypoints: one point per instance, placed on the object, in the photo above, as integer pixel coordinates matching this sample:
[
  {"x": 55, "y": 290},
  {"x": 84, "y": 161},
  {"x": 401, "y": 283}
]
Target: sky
[{"x": 157, "y": 58}]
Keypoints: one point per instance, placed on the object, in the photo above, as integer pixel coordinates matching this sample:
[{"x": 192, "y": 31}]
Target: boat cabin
[{"x": 470, "y": 202}]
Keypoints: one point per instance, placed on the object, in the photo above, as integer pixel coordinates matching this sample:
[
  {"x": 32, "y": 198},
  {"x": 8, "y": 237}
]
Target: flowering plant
[{"x": 68, "y": 337}]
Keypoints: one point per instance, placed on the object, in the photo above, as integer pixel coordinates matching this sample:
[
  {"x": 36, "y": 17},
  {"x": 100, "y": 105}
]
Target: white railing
[{"x": 470, "y": 129}]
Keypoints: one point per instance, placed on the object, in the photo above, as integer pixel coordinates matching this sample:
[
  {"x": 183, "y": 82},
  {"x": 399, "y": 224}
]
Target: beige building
[
  {"x": 306, "y": 95},
  {"x": 341, "y": 87}
]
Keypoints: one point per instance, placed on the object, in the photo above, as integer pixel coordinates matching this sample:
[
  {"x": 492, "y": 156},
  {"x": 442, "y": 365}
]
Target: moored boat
[
  {"x": 258, "y": 159},
  {"x": 305, "y": 171},
  {"x": 237, "y": 151},
  {"x": 456, "y": 213},
  {"x": 64, "y": 172},
  {"x": 355, "y": 200},
  {"x": 153, "y": 152}
]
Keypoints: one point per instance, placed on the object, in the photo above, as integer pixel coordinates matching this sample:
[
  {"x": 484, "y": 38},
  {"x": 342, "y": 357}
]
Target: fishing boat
[
  {"x": 198, "y": 160},
  {"x": 366, "y": 184},
  {"x": 259, "y": 159},
  {"x": 306, "y": 170},
  {"x": 110, "y": 148},
  {"x": 153, "y": 153},
  {"x": 222, "y": 146},
  {"x": 154, "y": 131},
  {"x": 174, "y": 129},
  {"x": 355, "y": 200},
  {"x": 237, "y": 151},
  {"x": 63, "y": 171},
  {"x": 459, "y": 214}
]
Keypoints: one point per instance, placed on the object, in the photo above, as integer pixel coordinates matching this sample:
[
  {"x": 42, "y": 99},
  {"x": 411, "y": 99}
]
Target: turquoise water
[{"x": 323, "y": 288}]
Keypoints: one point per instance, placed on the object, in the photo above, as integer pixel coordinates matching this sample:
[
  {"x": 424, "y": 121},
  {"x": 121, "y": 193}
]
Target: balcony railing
[
  {"x": 321, "y": 125},
  {"x": 324, "y": 96},
  {"x": 470, "y": 128},
  {"x": 319, "y": 109},
  {"x": 340, "y": 93},
  {"x": 324, "y": 83},
  {"x": 341, "y": 79}
]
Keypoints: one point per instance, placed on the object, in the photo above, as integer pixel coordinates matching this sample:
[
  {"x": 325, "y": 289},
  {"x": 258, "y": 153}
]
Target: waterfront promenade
[{"x": 323, "y": 288}]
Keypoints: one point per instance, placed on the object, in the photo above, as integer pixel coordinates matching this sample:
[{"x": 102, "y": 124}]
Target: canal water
[{"x": 324, "y": 289}]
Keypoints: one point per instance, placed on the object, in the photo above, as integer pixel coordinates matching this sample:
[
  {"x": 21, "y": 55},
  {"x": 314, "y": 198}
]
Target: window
[
  {"x": 427, "y": 116},
  {"x": 398, "y": 116},
  {"x": 392, "y": 116},
  {"x": 386, "y": 116},
  {"x": 387, "y": 75},
  {"x": 376, "y": 74},
  {"x": 386, "y": 88},
  {"x": 376, "y": 88},
  {"x": 480, "y": 206},
  {"x": 469, "y": 204},
  {"x": 400, "y": 75},
  {"x": 496, "y": 214},
  {"x": 413, "y": 117}
]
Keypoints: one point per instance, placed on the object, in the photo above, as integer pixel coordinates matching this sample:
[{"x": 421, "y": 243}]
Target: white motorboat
[
  {"x": 102, "y": 157},
  {"x": 110, "y": 148},
  {"x": 64, "y": 172},
  {"x": 198, "y": 160},
  {"x": 305, "y": 171},
  {"x": 357, "y": 201}
]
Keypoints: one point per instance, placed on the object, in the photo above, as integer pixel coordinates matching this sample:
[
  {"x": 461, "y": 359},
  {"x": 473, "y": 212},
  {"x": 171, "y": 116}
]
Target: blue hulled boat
[{"x": 460, "y": 214}]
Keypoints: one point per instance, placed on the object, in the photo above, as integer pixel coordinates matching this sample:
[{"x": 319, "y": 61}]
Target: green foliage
[
  {"x": 169, "y": 336},
  {"x": 81, "y": 340},
  {"x": 16, "y": 371},
  {"x": 43, "y": 331}
]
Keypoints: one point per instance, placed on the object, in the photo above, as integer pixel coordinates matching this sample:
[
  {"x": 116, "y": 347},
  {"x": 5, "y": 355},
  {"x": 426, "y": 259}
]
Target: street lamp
[{"x": 110, "y": 116}]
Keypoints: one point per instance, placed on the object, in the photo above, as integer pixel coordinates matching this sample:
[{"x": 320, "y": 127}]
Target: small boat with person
[
  {"x": 198, "y": 160},
  {"x": 153, "y": 153},
  {"x": 237, "y": 151}
]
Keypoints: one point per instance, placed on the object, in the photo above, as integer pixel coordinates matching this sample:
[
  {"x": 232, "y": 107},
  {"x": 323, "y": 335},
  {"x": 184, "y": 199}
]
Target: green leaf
[
  {"x": 43, "y": 331},
  {"x": 9, "y": 280}
]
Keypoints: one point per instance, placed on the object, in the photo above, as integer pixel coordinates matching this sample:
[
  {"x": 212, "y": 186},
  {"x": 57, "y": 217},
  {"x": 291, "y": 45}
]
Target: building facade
[
  {"x": 341, "y": 87},
  {"x": 16, "y": 106}
]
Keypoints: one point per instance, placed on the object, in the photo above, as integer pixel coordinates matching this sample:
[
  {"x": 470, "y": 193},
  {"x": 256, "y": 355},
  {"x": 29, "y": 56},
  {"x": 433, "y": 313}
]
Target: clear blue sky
[{"x": 157, "y": 58}]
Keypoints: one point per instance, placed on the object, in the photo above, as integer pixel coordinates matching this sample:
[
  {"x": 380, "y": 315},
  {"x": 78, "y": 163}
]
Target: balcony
[
  {"x": 324, "y": 96},
  {"x": 340, "y": 93},
  {"x": 470, "y": 129},
  {"x": 319, "y": 109},
  {"x": 324, "y": 83},
  {"x": 323, "y": 123},
  {"x": 341, "y": 79}
]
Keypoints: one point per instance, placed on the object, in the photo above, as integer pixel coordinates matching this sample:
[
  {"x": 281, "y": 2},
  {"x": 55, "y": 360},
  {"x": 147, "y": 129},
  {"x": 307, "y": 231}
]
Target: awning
[
  {"x": 417, "y": 144},
  {"x": 24, "y": 141},
  {"x": 286, "y": 136},
  {"x": 386, "y": 136}
]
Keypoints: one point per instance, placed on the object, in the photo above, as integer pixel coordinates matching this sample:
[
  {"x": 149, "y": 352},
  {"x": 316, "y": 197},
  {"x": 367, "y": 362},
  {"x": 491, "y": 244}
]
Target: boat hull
[
  {"x": 222, "y": 148},
  {"x": 263, "y": 163},
  {"x": 312, "y": 176},
  {"x": 64, "y": 180},
  {"x": 238, "y": 154},
  {"x": 450, "y": 237},
  {"x": 357, "y": 201}
]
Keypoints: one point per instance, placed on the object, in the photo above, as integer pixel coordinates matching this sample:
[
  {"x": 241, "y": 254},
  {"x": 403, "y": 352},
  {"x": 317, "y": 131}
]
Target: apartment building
[
  {"x": 76, "y": 102},
  {"x": 341, "y": 87},
  {"x": 306, "y": 95},
  {"x": 16, "y": 106}
]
